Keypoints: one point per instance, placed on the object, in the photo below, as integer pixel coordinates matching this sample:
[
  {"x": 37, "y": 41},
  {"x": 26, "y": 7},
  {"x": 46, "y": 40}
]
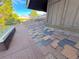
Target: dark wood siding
[{"x": 64, "y": 12}]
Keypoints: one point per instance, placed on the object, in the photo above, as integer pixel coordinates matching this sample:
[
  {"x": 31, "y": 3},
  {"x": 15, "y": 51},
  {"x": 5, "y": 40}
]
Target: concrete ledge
[{"x": 6, "y": 39}]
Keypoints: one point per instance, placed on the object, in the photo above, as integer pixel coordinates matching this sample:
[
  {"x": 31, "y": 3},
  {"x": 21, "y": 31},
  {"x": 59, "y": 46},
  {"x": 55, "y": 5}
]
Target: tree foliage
[
  {"x": 33, "y": 13},
  {"x": 5, "y": 11}
]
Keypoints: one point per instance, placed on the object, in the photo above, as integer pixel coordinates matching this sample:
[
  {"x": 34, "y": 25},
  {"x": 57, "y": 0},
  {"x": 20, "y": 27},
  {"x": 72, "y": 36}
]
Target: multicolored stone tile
[
  {"x": 77, "y": 45},
  {"x": 74, "y": 38},
  {"x": 44, "y": 42},
  {"x": 70, "y": 52},
  {"x": 54, "y": 44},
  {"x": 46, "y": 37},
  {"x": 64, "y": 42},
  {"x": 50, "y": 56},
  {"x": 59, "y": 36}
]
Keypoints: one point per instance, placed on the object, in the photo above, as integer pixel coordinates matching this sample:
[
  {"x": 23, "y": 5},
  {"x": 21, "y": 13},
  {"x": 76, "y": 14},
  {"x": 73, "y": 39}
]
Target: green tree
[
  {"x": 5, "y": 10},
  {"x": 34, "y": 13}
]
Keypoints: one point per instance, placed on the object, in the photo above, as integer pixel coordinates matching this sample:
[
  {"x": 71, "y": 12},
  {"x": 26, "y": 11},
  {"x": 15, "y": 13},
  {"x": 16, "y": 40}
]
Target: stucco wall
[{"x": 64, "y": 12}]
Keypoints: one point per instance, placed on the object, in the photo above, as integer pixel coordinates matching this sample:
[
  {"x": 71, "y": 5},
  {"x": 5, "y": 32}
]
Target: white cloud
[{"x": 41, "y": 12}]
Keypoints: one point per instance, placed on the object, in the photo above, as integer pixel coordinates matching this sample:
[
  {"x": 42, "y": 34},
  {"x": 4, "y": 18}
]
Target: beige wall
[{"x": 64, "y": 12}]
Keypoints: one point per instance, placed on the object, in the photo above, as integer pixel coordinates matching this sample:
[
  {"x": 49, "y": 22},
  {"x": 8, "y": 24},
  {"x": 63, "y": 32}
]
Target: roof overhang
[{"x": 40, "y": 5}]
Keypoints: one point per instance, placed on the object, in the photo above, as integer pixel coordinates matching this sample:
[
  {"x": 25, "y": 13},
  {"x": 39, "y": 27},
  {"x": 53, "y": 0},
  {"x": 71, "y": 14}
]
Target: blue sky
[{"x": 20, "y": 8}]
